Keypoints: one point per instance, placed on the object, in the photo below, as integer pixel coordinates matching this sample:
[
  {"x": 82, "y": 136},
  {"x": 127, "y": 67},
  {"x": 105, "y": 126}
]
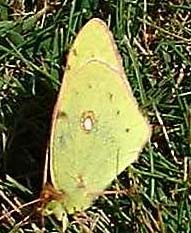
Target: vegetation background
[{"x": 153, "y": 38}]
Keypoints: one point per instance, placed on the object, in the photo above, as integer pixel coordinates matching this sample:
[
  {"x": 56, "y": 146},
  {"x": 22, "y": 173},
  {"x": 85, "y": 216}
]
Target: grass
[{"x": 153, "y": 38}]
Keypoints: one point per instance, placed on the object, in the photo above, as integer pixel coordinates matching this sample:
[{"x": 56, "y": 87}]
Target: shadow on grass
[{"x": 27, "y": 141}]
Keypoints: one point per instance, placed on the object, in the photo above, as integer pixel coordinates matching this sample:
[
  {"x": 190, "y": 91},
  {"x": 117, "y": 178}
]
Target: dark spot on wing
[
  {"x": 118, "y": 112},
  {"x": 127, "y": 130},
  {"x": 68, "y": 67},
  {"x": 111, "y": 97},
  {"x": 75, "y": 52},
  {"x": 61, "y": 114},
  {"x": 61, "y": 140},
  {"x": 89, "y": 86},
  {"x": 80, "y": 183}
]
